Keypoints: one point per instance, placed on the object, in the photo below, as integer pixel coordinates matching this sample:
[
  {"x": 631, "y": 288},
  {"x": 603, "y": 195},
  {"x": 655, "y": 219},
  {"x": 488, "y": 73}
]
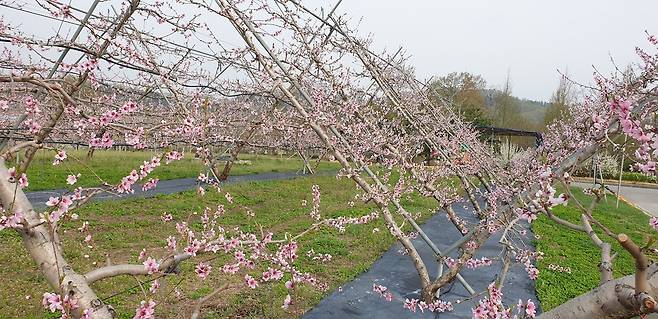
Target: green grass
[
  {"x": 635, "y": 177},
  {"x": 575, "y": 250},
  {"x": 123, "y": 228},
  {"x": 110, "y": 166},
  {"x": 626, "y": 176}
]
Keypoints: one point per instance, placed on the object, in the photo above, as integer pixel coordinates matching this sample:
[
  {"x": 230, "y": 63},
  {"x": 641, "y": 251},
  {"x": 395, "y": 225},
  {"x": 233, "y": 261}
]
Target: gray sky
[{"x": 531, "y": 39}]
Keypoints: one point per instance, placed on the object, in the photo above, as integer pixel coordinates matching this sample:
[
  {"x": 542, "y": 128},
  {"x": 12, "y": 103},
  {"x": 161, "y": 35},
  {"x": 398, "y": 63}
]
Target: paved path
[
  {"x": 39, "y": 198},
  {"x": 645, "y": 198},
  {"x": 395, "y": 271}
]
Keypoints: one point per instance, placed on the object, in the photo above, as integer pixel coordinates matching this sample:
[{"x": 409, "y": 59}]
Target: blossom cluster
[
  {"x": 436, "y": 306},
  {"x": 647, "y": 152},
  {"x": 413, "y": 304},
  {"x": 559, "y": 268},
  {"x": 315, "y": 211},
  {"x": 20, "y": 179},
  {"x": 60, "y": 207},
  {"x": 127, "y": 182},
  {"x": 55, "y": 303},
  {"x": 318, "y": 256},
  {"x": 342, "y": 222},
  {"x": 492, "y": 307},
  {"x": 471, "y": 263}
]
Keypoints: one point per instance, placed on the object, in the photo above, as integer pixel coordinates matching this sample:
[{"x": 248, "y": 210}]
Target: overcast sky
[{"x": 530, "y": 39}]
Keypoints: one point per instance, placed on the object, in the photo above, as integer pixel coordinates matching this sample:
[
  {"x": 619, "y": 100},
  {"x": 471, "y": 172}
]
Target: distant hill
[{"x": 531, "y": 110}]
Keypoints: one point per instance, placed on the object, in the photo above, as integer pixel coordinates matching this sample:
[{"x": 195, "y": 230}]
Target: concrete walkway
[
  {"x": 644, "y": 198},
  {"x": 396, "y": 271}
]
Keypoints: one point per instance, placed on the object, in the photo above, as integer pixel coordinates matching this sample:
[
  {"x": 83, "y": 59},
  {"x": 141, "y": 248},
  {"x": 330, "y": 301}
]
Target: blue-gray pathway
[
  {"x": 39, "y": 198},
  {"x": 356, "y": 299}
]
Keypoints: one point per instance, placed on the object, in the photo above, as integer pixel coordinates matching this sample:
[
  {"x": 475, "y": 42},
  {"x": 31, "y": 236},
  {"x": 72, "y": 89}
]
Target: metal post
[
  {"x": 594, "y": 161},
  {"x": 621, "y": 172}
]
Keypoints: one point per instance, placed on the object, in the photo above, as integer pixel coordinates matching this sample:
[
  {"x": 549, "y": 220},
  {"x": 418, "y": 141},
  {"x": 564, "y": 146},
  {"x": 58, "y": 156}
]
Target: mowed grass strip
[
  {"x": 575, "y": 250},
  {"x": 123, "y": 228},
  {"x": 110, "y": 166}
]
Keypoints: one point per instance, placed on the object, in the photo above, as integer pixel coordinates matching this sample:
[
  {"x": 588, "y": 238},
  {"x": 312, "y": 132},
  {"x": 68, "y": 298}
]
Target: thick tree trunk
[
  {"x": 46, "y": 251},
  {"x": 613, "y": 299}
]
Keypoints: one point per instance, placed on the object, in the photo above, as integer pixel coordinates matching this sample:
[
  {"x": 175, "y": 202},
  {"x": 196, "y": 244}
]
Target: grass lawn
[
  {"x": 111, "y": 166},
  {"x": 123, "y": 228},
  {"x": 575, "y": 250},
  {"x": 626, "y": 176}
]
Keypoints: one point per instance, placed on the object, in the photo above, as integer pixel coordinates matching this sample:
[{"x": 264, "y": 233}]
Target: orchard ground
[{"x": 125, "y": 227}]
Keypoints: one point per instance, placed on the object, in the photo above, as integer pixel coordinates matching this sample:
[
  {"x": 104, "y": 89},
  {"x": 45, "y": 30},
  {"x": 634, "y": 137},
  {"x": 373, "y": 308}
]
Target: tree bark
[{"x": 46, "y": 251}]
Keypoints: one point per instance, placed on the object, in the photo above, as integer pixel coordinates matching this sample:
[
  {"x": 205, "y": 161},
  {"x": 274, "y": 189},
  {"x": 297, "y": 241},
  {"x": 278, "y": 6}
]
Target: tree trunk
[{"x": 46, "y": 251}]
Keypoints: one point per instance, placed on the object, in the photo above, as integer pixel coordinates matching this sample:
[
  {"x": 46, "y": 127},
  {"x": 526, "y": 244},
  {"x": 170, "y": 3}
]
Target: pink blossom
[
  {"x": 193, "y": 248},
  {"x": 12, "y": 172},
  {"x": 648, "y": 167},
  {"x": 272, "y": 274},
  {"x": 250, "y": 281},
  {"x": 72, "y": 179},
  {"x": 52, "y": 201},
  {"x": 103, "y": 142},
  {"x": 171, "y": 243},
  {"x": 52, "y": 301},
  {"x": 173, "y": 156},
  {"x": 318, "y": 256},
  {"x": 151, "y": 265},
  {"x": 54, "y": 216},
  {"x": 560, "y": 200},
  {"x": 154, "y": 286},
  {"x": 151, "y": 184},
  {"x": 65, "y": 203},
  {"x": 381, "y": 290},
  {"x": 474, "y": 263},
  {"x": 142, "y": 254},
  {"x": 203, "y": 270},
  {"x": 59, "y": 157},
  {"x": 532, "y": 271},
  {"x": 145, "y": 310},
  {"x": 31, "y": 106},
  {"x": 231, "y": 269},
  {"x": 411, "y": 304},
  {"x": 530, "y": 309},
  {"x": 129, "y": 107},
  {"x": 70, "y": 303},
  {"x": 287, "y": 302},
  {"x": 22, "y": 181}
]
